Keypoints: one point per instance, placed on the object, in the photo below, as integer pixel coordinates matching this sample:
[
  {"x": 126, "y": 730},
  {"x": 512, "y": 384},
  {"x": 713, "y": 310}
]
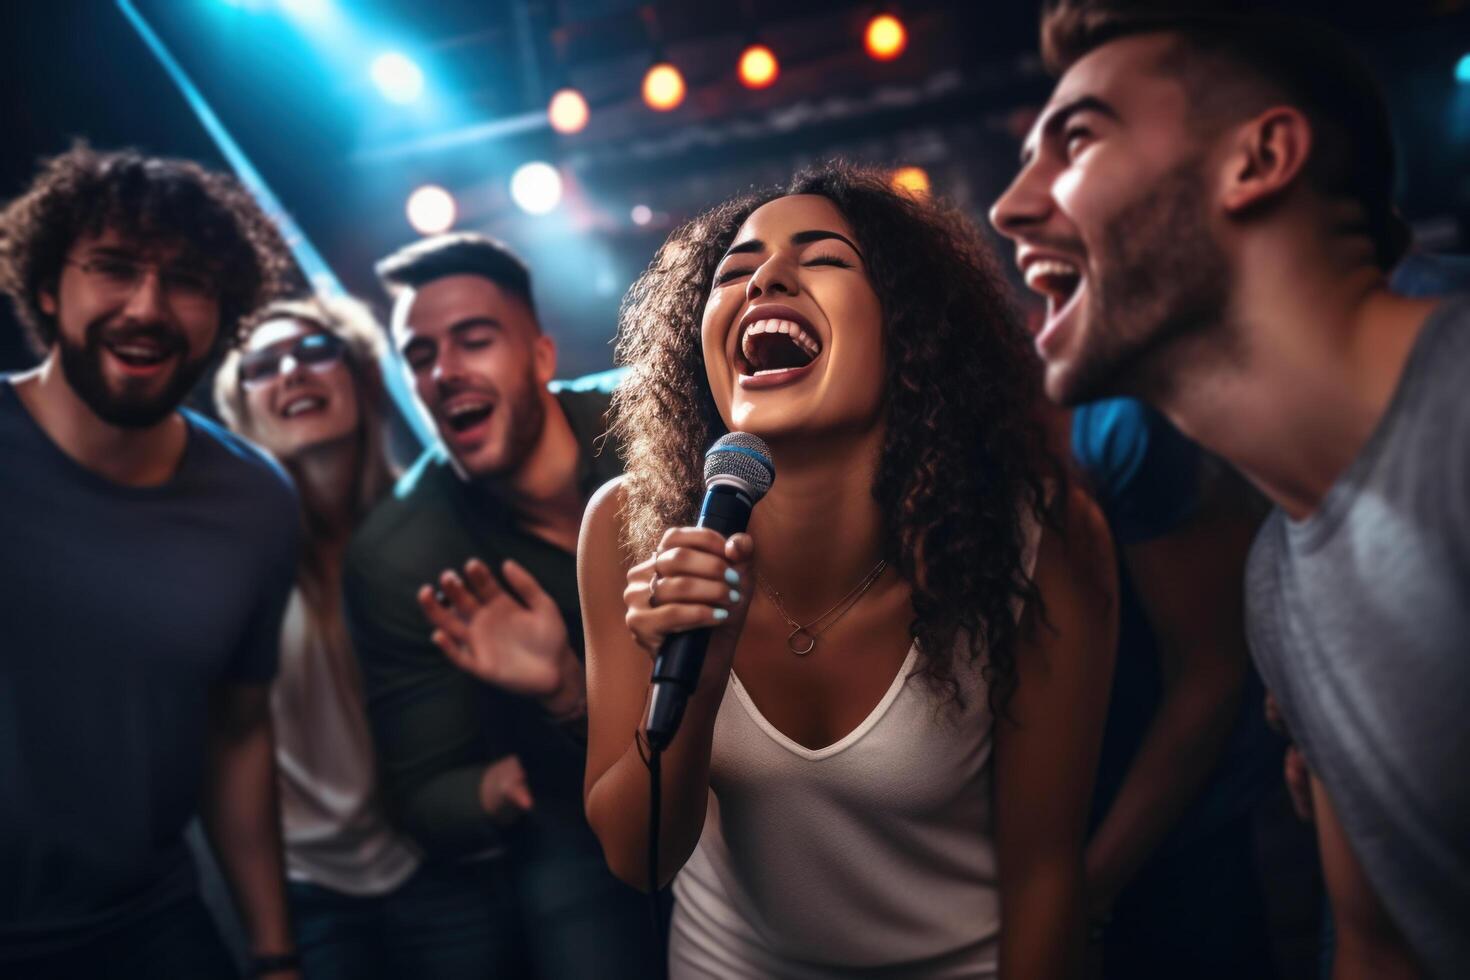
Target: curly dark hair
[
  {"x": 153, "y": 200},
  {"x": 964, "y": 464}
]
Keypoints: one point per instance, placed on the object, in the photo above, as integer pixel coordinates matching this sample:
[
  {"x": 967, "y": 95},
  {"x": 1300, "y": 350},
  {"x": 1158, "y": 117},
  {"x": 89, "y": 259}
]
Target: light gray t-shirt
[
  {"x": 1359, "y": 621},
  {"x": 334, "y": 827}
]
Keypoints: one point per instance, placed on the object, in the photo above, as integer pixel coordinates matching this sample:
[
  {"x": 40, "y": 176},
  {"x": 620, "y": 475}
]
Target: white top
[
  {"x": 336, "y": 833},
  {"x": 874, "y": 851},
  {"x": 873, "y": 854}
]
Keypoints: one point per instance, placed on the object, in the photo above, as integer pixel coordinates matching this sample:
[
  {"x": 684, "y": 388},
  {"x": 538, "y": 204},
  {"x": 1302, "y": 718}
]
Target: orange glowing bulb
[
  {"x": 758, "y": 67},
  {"x": 663, "y": 87},
  {"x": 567, "y": 111},
  {"x": 886, "y": 37},
  {"x": 912, "y": 180}
]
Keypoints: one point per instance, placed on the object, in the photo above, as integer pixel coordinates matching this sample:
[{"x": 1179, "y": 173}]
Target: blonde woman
[{"x": 304, "y": 383}]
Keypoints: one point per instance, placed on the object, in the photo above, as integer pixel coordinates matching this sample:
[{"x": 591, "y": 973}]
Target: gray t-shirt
[{"x": 1359, "y": 621}]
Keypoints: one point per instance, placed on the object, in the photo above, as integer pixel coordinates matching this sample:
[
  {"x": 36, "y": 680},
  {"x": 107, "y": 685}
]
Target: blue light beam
[{"x": 318, "y": 273}]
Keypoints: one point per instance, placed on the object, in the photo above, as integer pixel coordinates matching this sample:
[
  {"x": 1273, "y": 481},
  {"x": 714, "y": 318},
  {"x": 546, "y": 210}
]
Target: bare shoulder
[
  {"x": 600, "y": 543},
  {"x": 1075, "y": 568},
  {"x": 1082, "y": 547}
]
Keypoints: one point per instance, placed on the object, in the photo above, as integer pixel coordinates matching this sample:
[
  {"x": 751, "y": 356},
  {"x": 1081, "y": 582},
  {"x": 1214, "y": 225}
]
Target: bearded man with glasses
[{"x": 149, "y": 554}]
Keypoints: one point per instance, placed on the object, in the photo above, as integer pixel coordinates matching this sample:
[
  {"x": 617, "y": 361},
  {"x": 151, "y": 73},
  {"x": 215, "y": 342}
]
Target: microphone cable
[{"x": 653, "y": 762}]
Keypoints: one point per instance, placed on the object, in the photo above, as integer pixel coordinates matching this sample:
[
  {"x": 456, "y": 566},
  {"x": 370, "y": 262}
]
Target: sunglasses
[{"x": 314, "y": 351}]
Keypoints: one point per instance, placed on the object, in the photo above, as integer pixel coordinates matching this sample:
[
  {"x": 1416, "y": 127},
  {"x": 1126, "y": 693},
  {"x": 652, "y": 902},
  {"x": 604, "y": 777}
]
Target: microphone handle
[{"x": 680, "y": 658}]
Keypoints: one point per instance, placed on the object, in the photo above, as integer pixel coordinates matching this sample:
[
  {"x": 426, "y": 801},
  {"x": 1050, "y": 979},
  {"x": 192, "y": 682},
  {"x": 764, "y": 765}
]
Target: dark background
[{"x": 289, "y": 79}]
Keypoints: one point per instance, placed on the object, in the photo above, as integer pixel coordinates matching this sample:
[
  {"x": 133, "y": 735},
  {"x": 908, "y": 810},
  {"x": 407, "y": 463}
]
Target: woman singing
[{"x": 886, "y": 767}]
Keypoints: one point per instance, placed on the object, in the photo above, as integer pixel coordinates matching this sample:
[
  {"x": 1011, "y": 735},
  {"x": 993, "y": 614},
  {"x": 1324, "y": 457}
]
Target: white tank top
[
  {"x": 873, "y": 855},
  {"x": 875, "y": 851}
]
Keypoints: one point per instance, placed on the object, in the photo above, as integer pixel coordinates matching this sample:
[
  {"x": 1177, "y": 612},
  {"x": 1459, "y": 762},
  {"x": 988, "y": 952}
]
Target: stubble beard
[
  {"x": 1161, "y": 277},
  {"x": 526, "y": 420}
]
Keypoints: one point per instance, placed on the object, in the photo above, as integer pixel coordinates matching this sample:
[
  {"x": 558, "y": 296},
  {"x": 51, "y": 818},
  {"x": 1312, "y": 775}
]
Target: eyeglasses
[
  {"x": 118, "y": 275},
  {"x": 315, "y": 351}
]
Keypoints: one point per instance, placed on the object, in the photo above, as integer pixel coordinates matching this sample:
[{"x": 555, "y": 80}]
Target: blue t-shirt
[
  {"x": 120, "y": 608},
  {"x": 1147, "y": 478}
]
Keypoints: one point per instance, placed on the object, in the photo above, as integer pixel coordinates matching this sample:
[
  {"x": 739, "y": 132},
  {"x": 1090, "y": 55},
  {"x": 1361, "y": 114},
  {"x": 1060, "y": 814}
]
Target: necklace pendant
[{"x": 801, "y": 642}]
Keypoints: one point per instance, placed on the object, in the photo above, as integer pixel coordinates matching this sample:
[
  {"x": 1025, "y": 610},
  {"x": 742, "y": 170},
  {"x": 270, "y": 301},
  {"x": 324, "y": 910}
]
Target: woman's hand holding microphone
[{"x": 696, "y": 578}]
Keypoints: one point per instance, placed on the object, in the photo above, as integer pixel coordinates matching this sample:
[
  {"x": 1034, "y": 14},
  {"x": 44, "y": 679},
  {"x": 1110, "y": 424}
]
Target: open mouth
[
  {"x": 774, "y": 346},
  {"x": 140, "y": 353},
  {"x": 1062, "y": 282},
  {"x": 303, "y": 405},
  {"x": 464, "y": 415},
  {"x": 1056, "y": 279}
]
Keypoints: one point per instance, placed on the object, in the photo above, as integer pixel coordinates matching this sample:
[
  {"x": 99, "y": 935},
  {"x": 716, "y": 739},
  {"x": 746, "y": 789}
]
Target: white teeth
[
  {"x": 300, "y": 405},
  {"x": 138, "y": 350},
  {"x": 1049, "y": 268},
  {"x": 798, "y": 334},
  {"x": 464, "y": 408}
]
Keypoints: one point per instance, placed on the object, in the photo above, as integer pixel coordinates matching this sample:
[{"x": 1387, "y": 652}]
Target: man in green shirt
[{"x": 477, "y": 743}]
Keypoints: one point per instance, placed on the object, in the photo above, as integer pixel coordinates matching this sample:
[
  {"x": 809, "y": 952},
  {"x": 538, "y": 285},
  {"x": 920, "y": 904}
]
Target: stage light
[
  {"x": 911, "y": 180},
  {"x": 431, "y": 210},
  {"x": 397, "y": 77},
  {"x": 663, "y": 87},
  {"x": 567, "y": 111},
  {"x": 536, "y": 187},
  {"x": 306, "y": 9},
  {"x": 1462, "y": 70},
  {"x": 758, "y": 67},
  {"x": 641, "y": 214},
  {"x": 885, "y": 37}
]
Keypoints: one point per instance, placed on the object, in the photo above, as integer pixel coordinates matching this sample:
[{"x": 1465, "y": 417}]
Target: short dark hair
[
  {"x": 460, "y": 253},
  {"x": 155, "y": 199},
  {"x": 1293, "y": 58}
]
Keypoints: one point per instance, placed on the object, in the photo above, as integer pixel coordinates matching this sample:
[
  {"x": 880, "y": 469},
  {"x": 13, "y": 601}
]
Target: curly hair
[
  {"x": 152, "y": 199},
  {"x": 964, "y": 465}
]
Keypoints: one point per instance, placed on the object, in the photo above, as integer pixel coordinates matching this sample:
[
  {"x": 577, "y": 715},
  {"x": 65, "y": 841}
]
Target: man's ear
[
  {"x": 46, "y": 300},
  {"x": 1268, "y": 153},
  {"x": 543, "y": 352}
]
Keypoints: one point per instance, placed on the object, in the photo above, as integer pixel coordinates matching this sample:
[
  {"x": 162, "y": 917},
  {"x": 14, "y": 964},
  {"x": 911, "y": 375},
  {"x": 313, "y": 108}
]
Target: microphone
[{"x": 737, "y": 473}]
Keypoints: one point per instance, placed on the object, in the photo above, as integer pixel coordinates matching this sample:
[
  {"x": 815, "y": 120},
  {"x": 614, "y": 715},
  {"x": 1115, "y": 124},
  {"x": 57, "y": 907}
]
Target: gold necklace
[{"x": 803, "y": 639}]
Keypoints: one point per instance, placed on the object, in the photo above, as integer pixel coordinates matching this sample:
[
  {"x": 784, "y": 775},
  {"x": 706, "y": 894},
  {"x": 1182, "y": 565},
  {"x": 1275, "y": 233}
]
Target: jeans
[
  {"x": 178, "y": 940},
  {"x": 446, "y": 922},
  {"x": 557, "y": 917},
  {"x": 578, "y": 921}
]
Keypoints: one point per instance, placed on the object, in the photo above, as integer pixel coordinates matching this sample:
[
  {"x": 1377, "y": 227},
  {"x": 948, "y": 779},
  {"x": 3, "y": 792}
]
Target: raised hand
[{"x": 515, "y": 640}]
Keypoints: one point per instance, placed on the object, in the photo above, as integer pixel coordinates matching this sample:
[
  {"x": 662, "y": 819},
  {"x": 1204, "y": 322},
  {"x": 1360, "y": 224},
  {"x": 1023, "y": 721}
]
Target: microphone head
[{"x": 743, "y": 458}]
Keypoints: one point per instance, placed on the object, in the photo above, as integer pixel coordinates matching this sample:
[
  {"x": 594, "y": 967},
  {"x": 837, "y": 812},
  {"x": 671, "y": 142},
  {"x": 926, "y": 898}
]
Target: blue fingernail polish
[
  {"x": 732, "y": 576},
  {"x": 722, "y": 614},
  {"x": 734, "y": 595}
]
